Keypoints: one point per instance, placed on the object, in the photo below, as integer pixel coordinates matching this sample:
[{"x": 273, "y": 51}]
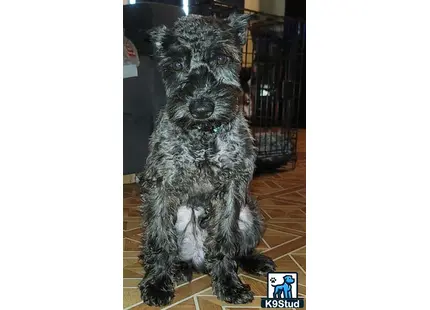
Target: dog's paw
[
  {"x": 234, "y": 292},
  {"x": 258, "y": 264},
  {"x": 157, "y": 292}
]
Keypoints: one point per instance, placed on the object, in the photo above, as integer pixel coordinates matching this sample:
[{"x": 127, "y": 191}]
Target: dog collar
[{"x": 215, "y": 128}]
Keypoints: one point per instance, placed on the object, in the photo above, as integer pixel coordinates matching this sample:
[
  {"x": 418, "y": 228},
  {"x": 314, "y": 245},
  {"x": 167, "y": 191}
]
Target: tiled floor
[{"x": 282, "y": 200}]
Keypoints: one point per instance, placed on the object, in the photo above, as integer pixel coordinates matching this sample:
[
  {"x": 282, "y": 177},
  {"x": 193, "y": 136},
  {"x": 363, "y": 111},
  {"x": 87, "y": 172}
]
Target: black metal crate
[{"x": 271, "y": 78}]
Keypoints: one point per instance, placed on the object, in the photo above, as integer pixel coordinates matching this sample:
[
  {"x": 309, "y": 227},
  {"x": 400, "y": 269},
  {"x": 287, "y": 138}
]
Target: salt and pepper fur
[{"x": 197, "y": 210}]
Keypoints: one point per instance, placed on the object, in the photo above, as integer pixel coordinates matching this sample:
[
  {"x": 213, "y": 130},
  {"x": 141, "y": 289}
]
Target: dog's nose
[{"x": 201, "y": 109}]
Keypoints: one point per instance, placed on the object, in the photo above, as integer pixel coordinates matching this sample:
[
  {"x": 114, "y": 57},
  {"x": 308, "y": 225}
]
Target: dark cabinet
[{"x": 144, "y": 95}]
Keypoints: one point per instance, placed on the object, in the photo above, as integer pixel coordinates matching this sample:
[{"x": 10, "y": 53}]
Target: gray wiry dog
[{"x": 197, "y": 209}]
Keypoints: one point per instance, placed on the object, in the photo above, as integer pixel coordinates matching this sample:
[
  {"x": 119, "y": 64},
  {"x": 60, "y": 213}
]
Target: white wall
[{"x": 275, "y": 7}]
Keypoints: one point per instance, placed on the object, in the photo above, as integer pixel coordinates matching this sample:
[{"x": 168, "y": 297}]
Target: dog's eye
[
  {"x": 221, "y": 59},
  {"x": 177, "y": 66}
]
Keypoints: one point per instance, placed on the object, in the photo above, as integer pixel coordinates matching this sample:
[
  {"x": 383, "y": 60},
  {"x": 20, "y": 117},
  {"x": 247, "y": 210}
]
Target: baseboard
[{"x": 129, "y": 179}]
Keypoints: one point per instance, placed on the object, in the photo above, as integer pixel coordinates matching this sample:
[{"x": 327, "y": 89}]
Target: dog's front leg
[
  {"x": 224, "y": 244},
  {"x": 159, "y": 252}
]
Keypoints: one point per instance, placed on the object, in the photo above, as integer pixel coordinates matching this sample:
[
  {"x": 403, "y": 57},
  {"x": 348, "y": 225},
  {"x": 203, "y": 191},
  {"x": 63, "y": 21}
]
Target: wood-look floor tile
[
  {"x": 206, "y": 303},
  {"x": 131, "y": 296},
  {"x": 131, "y": 254},
  {"x": 131, "y": 283},
  {"x": 131, "y": 245},
  {"x": 285, "y": 228},
  {"x": 300, "y": 259},
  {"x": 302, "y": 290},
  {"x": 301, "y": 251},
  {"x": 132, "y": 232},
  {"x": 288, "y": 220},
  {"x": 192, "y": 288},
  {"x": 283, "y": 192},
  {"x": 290, "y": 213},
  {"x": 274, "y": 238},
  {"x": 130, "y": 274},
  {"x": 206, "y": 292},
  {"x": 130, "y": 224},
  {"x": 185, "y": 305},
  {"x": 259, "y": 288},
  {"x": 272, "y": 184},
  {"x": 142, "y": 306},
  {"x": 286, "y": 248},
  {"x": 294, "y": 225},
  {"x": 287, "y": 264},
  {"x": 213, "y": 299},
  {"x": 294, "y": 197}
]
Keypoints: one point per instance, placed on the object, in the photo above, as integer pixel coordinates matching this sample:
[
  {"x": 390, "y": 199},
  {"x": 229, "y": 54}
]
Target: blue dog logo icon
[{"x": 283, "y": 290}]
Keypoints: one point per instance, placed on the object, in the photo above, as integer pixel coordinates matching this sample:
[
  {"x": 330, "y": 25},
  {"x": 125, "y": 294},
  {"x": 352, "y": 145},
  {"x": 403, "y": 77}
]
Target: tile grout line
[
  {"x": 182, "y": 300},
  {"x": 298, "y": 249},
  {"x": 286, "y": 254},
  {"x": 196, "y": 303},
  {"x": 266, "y": 213},
  {"x": 128, "y": 230},
  {"x": 198, "y": 278},
  {"x": 301, "y": 268},
  {"x": 285, "y": 205},
  {"x": 268, "y": 246},
  {"x": 303, "y": 232},
  {"x": 300, "y": 194},
  {"x": 132, "y": 306},
  {"x": 283, "y": 232},
  {"x": 280, "y": 192},
  {"x": 252, "y": 278},
  {"x": 283, "y": 243},
  {"x": 131, "y": 240}
]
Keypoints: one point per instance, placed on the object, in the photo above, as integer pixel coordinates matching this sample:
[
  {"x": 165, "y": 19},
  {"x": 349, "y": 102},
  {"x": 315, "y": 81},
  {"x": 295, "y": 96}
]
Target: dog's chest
[
  {"x": 190, "y": 227},
  {"x": 208, "y": 163}
]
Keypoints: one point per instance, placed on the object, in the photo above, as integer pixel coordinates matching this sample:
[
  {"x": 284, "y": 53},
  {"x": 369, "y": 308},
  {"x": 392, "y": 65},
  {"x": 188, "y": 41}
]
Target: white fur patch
[
  {"x": 191, "y": 236},
  {"x": 245, "y": 218}
]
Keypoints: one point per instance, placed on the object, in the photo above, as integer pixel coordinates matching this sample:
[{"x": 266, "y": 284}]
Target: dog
[
  {"x": 197, "y": 210},
  {"x": 284, "y": 288}
]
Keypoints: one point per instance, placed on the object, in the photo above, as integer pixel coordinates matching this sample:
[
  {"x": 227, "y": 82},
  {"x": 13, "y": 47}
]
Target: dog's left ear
[
  {"x": 157, "y": 36},
  {"x": 239, "y": 23}
]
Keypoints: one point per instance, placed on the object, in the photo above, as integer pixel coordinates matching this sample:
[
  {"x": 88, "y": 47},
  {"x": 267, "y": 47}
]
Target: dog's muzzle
[{"x": 201, "y": 109}]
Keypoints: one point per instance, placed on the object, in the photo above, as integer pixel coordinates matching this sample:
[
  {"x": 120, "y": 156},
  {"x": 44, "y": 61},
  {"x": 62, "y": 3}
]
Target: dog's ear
[
  {"x": 157, "y": 36},
  {"x": 239, "y": 23}
]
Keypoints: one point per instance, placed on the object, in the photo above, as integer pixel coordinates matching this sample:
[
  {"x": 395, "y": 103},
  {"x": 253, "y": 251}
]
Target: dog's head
[
  {"x": 289, "y": 279},
  {"x": 199, "y": 59}
]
